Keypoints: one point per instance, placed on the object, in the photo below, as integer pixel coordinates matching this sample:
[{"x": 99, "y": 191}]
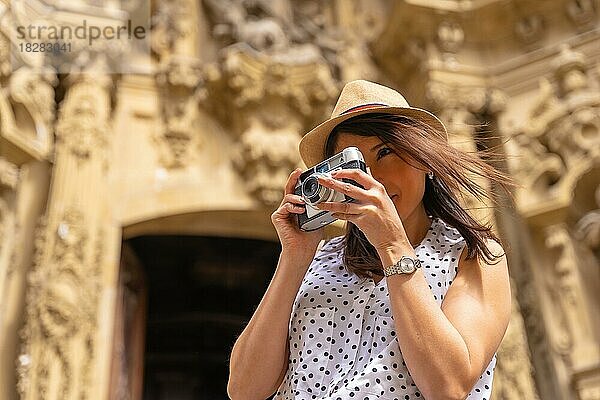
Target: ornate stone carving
[
  {"x": 181, "y": 89},
  {"x": 477, "y": 100},
  {"x": 275, "y": 98},
  {"x": 571, "y": 321},
  {"x": 346, "y": 46},
  {"x": 27, "y": 105},
  {"x": 450, "y": 36},
  {"x": 591, "y": 393},
  {"x": 455, "y": 111},
  {"x": 570, "y": 71},
  {"x": 9, "y": 177},
  {"x": 538, "y": 168},
  {"x": 562, "y": 137},
  {"x": 581, "y": 13},
  {"x": 5, "y": 66},
  {"x": 513, "y": 375},
  {"x": 588, "y": 227},
  {"x": 267, "y": 32},
  {"x": 587, "y": 384},
  {"x": 264, "y": 159},
  {"x": 537, "y": 335},
  {"x": 35, "y": 90},
  {"x": 7, "y": 245},
  {"x": 61, "y": 312},
  {"x": 59, "y": 335},
  {"x": 260, "y": 24},
  {"x": 566, "y": 117},
  {"x": 24, "y": 361},
  {"x": 530, "y": 29},
  {"x": 179, "y": 80},
  {"x": 303, "y": 80},
  {"x": 274, "y": 78},
  {"x": 171, "y": 24},
  {"x": 82, "y": 122},
  {"x": 565, "y": 276},
  {"x": 9, "y": 174},
  {"x": 5, "y": 213}
]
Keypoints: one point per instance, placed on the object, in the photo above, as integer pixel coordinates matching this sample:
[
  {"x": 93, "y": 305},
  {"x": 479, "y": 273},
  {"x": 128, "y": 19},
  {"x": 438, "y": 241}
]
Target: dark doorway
[{"x": 201, "y": 291}]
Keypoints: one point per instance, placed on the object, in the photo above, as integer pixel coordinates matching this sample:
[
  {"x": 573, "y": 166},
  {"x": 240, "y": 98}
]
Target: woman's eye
[{"x": 383, "y": 152}]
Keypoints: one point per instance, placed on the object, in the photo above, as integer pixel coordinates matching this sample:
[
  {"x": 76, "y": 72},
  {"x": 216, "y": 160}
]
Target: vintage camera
[{"x": 313, "y": 192}]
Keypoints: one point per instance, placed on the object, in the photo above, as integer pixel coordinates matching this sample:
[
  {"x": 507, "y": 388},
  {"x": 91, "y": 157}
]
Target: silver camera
[{"x": 313, "y": 192}]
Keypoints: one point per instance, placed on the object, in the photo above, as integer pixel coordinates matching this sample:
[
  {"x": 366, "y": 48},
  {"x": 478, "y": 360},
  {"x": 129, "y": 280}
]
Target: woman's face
[{"x": 404, "y": 183}]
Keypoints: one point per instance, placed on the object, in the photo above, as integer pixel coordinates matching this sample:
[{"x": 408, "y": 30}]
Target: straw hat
[{"x": 357, "y": 98}]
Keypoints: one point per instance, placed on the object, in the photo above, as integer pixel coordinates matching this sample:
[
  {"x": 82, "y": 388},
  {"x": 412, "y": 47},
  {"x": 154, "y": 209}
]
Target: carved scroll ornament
[
  {"x": 35, "y": 90},
  {"x": 562, "y": 137}
]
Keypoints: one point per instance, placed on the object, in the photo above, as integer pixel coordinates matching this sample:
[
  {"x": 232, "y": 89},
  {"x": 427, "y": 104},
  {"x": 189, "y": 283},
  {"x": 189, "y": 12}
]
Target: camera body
[{"x": 309, "y": 188}]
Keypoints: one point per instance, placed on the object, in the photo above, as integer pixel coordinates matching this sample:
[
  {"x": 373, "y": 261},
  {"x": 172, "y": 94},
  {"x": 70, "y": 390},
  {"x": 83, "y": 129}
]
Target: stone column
[
  {"x": 65, "y": 338},
  {"x": 9, "y": 175}
]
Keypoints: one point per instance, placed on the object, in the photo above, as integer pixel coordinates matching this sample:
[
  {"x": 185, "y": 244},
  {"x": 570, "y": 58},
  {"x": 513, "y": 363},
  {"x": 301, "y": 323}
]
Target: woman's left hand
[{"x": 373, "y": 212}]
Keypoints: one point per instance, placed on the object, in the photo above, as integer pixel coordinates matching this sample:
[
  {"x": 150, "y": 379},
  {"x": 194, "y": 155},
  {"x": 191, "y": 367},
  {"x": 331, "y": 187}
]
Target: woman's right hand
[{"x": 293, "y": 239}]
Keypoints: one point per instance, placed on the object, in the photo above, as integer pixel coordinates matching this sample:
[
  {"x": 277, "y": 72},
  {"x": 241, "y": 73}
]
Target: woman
[{"x": 413, "y": 301}]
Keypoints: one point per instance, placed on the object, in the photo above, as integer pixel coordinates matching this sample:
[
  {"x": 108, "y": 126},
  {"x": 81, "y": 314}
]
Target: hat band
[{"x": 364, "y": 107}]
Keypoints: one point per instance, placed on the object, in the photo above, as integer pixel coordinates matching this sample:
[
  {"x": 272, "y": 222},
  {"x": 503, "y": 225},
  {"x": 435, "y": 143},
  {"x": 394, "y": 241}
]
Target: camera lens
[
  {"x": 311, "y": 187},
  {"x": 312, "y": 191}
]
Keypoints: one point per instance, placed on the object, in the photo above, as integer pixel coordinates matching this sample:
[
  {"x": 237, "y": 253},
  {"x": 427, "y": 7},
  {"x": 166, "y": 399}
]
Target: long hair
[{"x": 454, "y": 170}]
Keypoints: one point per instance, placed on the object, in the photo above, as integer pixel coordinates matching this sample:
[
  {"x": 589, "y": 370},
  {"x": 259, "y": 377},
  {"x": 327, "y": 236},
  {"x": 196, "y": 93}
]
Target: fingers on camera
[
  {"x": 294, "y": 208},
  {"x": 293, "y": 198},
  {"x": 291, "y": 183}
]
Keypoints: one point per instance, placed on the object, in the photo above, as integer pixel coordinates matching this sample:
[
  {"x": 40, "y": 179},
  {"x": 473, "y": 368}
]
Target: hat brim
[{"x": 312, "y": 145}]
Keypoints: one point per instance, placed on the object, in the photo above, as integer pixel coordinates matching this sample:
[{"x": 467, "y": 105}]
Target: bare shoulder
[
  {"x": 494, "y": 247},
  {"x": 484, "y": 282},
  {"x": 478, "y": 304}
]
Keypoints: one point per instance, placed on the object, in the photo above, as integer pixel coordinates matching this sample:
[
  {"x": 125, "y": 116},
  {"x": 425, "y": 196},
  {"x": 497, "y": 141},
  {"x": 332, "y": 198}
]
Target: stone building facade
[{"x": 123, "y": 195}]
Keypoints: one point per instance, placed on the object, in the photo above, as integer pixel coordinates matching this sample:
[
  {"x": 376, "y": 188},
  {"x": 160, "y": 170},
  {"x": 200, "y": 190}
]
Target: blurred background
[{"x": 137, "y": 176}]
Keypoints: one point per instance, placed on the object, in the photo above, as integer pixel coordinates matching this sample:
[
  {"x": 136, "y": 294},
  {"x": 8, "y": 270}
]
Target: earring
[{"x": 430, "y": 175}]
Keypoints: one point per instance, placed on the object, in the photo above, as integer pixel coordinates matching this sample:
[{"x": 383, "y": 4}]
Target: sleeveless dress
[{"x": 341, "y": 333}]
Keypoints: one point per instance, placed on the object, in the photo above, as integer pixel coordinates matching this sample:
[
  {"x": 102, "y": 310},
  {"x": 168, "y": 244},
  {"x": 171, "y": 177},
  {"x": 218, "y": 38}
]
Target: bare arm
[
  {"x": 447, "y": 349},
  {"x": 260, "y": 355}
]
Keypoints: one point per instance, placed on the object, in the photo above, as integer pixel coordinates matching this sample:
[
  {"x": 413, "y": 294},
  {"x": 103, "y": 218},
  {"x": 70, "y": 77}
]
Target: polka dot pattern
[{"x": 342, "y": 334}]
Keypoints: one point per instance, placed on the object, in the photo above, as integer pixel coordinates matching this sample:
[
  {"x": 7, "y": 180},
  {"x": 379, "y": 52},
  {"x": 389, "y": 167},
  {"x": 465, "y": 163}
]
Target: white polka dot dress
[{"x": 342, "y": 335}]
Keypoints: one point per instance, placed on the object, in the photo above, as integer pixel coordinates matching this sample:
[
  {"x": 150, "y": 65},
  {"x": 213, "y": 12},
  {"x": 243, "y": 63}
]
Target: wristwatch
[{"x": 405, "y": 265}]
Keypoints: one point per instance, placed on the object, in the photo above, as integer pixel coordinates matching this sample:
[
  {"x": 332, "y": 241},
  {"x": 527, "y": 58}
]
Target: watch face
[{"x": 407, "y": 265}]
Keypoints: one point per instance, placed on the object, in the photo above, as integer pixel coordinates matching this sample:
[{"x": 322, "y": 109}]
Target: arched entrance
[{"x": 183, "y": 301}]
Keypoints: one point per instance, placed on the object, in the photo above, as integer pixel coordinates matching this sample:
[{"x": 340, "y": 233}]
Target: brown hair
[{"x": 453, "y": 170}]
